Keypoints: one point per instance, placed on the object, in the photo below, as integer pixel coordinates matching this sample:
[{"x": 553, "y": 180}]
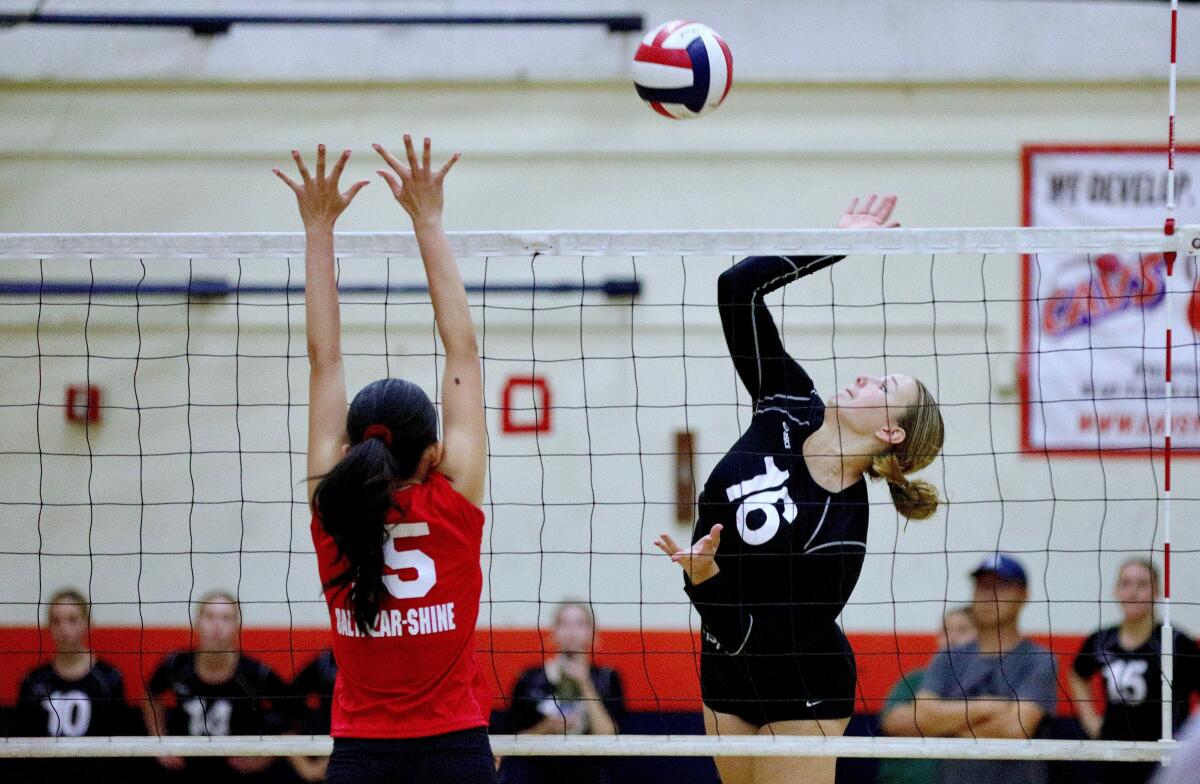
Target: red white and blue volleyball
[{"x": 683, "y": 69}]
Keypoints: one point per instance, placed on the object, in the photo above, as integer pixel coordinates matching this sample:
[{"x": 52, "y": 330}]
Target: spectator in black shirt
[
  {"x": 1127, "y": 657},
  {"x": 215, "y": 690},
  {"x": 568, "y": 694},
  {"x": 313, "y": 688},
  {"x": 74, "y": 695}
]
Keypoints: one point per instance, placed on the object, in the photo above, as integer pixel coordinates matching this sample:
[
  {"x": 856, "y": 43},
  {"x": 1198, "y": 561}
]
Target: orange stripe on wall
[{"x": 660, "y": 669}]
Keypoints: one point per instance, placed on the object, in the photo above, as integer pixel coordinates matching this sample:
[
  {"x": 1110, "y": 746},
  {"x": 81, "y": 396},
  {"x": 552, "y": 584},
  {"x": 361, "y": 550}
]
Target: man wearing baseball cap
[{"x": 1000, "y": 686}]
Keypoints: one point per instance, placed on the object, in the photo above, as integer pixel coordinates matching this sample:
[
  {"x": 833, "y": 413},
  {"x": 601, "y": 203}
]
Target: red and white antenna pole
[{"x": 1168, "y": 634}]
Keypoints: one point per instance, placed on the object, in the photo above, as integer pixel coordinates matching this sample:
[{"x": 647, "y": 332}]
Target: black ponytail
[{"x": 389, "y": 425}]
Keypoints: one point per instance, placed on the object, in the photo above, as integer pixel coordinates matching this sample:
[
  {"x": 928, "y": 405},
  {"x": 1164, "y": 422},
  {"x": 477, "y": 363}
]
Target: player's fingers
[
  {"x": 853, "y": 206},
  {"x": 287, "y": 181},
  {"x": 304, "y": 175},
  {"x": 349, "y": 195},
  {"x": 387, "y": 156},
  {"x": 426, "y": 153},
  {"x": 412, "y": 155},
  {"x": 870, "y": 203},
  {"x": 320, "y": 162},
  {"x": 338, "y": 166},
  {"x": 714, "y": 535},
  {"x": 892, "y": 225},
  {"x": 671, "y": 547},
  {"x": 884, "y": 210},
  {"x": 448, "y": 165},
  {"x": 391, "y": 179}
]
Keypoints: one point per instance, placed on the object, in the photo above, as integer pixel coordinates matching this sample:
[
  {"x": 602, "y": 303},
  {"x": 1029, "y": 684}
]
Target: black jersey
[
  {"x": 791, "y": 551},
  {"x": 49, "y": 705},
  {"x": 246, "y": 704},
  {"x": 52, "y": 706},
  {"x": 314, "y": 689},
  {"x": 1133, "y": 682}
]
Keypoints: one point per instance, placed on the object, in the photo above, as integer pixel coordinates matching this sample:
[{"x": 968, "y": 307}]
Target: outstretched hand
[
  {"x": 871, "y": 214},
  {"x": 319, "y": 198},
  {"x": 699, "y": 562},
  {"x": 417, "y": 186}
]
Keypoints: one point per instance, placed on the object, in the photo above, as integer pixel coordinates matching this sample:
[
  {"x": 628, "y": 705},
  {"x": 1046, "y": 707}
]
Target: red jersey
[{"x": 415, "y": 674}]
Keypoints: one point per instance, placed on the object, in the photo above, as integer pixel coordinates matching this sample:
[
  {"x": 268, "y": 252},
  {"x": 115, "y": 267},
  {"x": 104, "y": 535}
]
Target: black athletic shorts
[
  {"x": 464, "y": 756},
  {"x": 815, "y": 683}
]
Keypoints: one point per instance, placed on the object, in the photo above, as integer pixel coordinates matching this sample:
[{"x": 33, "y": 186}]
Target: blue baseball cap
[{"x": 1003, "y": 566}]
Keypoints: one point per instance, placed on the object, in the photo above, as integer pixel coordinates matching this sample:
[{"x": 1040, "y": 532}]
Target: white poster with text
[{"x": 1094, "y": 326}]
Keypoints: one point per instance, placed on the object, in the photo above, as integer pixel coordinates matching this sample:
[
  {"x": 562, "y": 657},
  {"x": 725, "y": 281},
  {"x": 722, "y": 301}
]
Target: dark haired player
[
  {"x": 782, "y": 527},
  {"x": 396, "y": 518}
]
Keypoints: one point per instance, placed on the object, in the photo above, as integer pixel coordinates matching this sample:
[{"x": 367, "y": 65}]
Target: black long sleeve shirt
[{"x": 791, "y": 551}]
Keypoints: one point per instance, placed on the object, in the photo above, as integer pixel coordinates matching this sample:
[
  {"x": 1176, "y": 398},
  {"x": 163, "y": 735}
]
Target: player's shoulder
[
  {"x": 326, "y": 663},
  {"x": 107, "y": 673},
  {"x": 255, "y": 670},
  {"x": 1031, "y": 648},
  {"x": 179, "y": 665},
  {"x": 1102, "y": 639},
  {"x": 42, "y": 674},
  {"x": 1185, "y": 641}
]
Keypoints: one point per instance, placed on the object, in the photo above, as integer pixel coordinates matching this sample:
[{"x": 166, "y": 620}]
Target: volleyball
[{"x": 683, "y": 69}]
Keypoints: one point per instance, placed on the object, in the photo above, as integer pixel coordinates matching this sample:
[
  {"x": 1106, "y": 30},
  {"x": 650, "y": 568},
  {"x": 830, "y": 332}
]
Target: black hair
[{"x": 390, "y": 424}]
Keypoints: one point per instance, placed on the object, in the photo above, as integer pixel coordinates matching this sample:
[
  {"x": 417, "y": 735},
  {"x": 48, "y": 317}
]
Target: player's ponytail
[
  {"x": 389, "y": 426},
  {"x": 924, "y": 431}
]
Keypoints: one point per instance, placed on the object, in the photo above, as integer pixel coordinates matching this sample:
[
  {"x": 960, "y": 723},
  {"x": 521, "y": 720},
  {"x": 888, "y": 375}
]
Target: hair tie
[{"x": 379, "y": 431}]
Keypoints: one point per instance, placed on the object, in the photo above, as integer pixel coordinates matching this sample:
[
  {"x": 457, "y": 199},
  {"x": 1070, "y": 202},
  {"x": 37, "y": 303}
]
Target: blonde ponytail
[{"x": 924, "y": 431}]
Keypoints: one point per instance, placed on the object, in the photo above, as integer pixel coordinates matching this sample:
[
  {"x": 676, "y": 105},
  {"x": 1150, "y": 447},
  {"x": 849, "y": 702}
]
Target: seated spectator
[
  {"x": 214, "y": 690},
  {"x": 1000, "y": 686},
  {"x": 898, "y": 716},
  {"x": 1127, "y": 657},
  {"x": 75, "y": 694},
  {"x": 569, "y": 695},
  {"x": 313, "y": 688}
]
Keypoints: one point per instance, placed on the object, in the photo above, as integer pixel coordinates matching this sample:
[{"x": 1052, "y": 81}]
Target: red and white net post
[{"x": 1168, "y": 633}]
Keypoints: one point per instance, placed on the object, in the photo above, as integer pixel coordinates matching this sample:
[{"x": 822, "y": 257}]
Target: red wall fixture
[
  {"x": 83, "y": 403},
  {"x": 526, "y": 419}
]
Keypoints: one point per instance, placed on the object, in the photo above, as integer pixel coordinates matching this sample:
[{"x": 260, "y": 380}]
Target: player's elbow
[
  {"x": 1027, "y": 721},
  {"x": 731, "y": 287}
]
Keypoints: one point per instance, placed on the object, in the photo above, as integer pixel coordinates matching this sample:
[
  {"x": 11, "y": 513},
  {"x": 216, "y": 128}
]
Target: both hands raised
[{"x": 417, "y": 187}]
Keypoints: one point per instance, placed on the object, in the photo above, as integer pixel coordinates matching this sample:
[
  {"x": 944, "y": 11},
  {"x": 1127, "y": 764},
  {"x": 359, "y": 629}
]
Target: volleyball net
[{"x": 153, "y": 411}]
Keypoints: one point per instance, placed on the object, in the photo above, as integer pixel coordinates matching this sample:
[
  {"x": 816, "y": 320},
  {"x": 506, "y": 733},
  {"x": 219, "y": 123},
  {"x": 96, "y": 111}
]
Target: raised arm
[
  {"x": 320, "y": 204},
  {"x": 763, "y": 365},
  {"x": 418, "y": 188}
]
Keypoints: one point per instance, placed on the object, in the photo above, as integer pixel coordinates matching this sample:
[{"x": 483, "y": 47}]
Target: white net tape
[
  {"x": 620, "y": 746},
  {"x": 588, "y": 243}
]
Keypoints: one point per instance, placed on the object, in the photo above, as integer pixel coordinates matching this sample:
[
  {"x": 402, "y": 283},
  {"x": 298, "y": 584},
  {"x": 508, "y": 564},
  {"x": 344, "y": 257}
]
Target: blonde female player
[
  {"x": 770, "y": 587},
  {"x": 396, "y": 519}
]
